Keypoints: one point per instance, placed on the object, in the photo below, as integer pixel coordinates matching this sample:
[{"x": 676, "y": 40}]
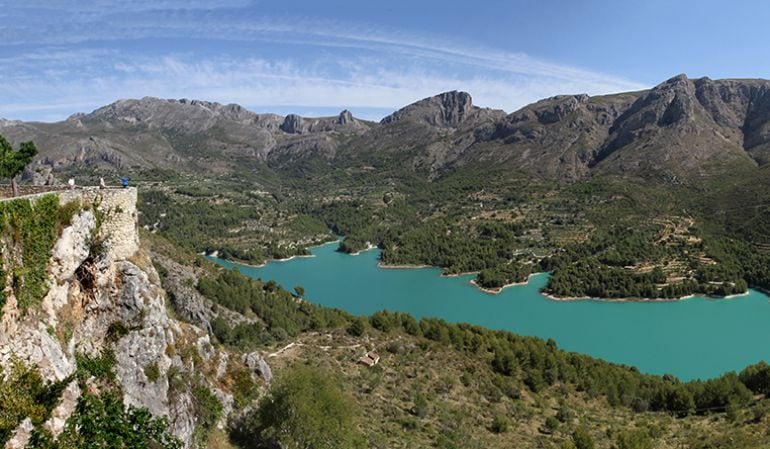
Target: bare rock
[
  {"x": 62, "y": 412},
  {"x": 292, "y": 124},
  {"x": 447, "y": 110},
  {"x": 257, "y": 364},
  {"x": 21, "y": 435}
]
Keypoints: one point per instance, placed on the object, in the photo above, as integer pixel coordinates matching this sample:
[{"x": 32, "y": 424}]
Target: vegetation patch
[
  {"x": 102, "y": 421},
  {"x": 304, "y": 408},
  {"x": 24, "y": 394},
  {"x": 101, "y": 366},
  {"x": 281, "y": 313},
  {"x": 29, "y": 229}
]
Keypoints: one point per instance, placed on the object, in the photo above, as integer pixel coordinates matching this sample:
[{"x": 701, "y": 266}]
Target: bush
[
  {"x": 152, "y": 371},
  {"x": 499, "y": 424},
  {"x": 104, "y": 422},
  {"x": 304, "y": 408},
  {"x": 639, "y": 439},
  {"x": 208, "y": 409},
  {"x": 101, "y": 366},
  {"x": 32, "y": 227},
  {"x": 551, "y": 424},
  {"x": 420, "y": 408},
  {"x": 358, "y": 327},
  {"x": 24, "y": 394},
  {"x": 582, "y": 439}
]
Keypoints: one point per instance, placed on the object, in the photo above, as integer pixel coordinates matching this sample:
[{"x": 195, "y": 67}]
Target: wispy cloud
[{"x": 96, "y": 56}]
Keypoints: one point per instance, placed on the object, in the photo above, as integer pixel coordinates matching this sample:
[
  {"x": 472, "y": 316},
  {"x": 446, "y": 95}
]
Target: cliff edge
[{"x": 78, "y": 286}]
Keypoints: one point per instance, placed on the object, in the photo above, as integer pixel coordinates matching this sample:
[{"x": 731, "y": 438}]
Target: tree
[
  {"x": 357, "y": 327},
  {"x": 299, "y": 290},
  {"x": 304, "y": 409},
  {"x": 12, "y": 162}
]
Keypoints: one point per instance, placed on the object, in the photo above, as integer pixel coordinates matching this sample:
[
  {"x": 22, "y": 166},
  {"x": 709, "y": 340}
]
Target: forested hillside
[{"x": 504, "y": 389}]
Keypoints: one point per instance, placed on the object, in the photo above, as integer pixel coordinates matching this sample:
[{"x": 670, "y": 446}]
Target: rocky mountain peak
[
  {"x": 345, "y": 118},
  {"x": 292, "y": 124},
  {"x": 678, "y": 79},
  {"x": 446, "y": 110}
]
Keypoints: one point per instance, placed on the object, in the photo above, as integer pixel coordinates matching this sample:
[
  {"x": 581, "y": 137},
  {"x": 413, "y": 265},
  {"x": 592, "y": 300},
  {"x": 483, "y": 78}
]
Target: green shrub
[
  {"x": 358, "y": 327},
  {"x": 152, "y": 371},
  {"x": 500, "y": 424},
  {"x": 304, "y": 408},
  {"x": 639, "y": 439},
  {"x": 31, "y": 228},
  {"x": 100, "y": 367},
  {"x": 208, "y": 409},
  {"x": 551, "y": 424},
  {"x": 116, "y": 331},
  {"x": 104, "y": 422},
  {"x": 582, "y": 439},
  {"x": 24, "y": 394}
]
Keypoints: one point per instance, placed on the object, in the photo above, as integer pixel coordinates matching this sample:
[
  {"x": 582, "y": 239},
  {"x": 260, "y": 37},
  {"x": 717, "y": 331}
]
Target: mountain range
[{"x": 682, "y": 128}]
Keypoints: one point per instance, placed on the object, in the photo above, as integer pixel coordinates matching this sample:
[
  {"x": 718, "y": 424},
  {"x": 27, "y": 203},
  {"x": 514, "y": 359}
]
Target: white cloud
[
  {"x": 258, "y": 82},
  {"x": 83, "y": 62}
]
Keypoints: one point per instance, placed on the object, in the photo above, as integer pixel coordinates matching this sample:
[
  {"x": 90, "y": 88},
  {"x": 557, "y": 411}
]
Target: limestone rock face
[
  {"x": 189, "y": 305},
  {"x": 40, "y": 176},
  {"x": 21, "y": 435},
  {"x": 99, "y": 278},
  {"x": 292, "y": 124},
  {"x": 449, "y": 110},
  {"x": 345, "y": 118},
  {"x": 257, "y": 364}
]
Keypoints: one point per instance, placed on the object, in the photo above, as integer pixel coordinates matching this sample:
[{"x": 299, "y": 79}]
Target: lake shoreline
[
  {"x": 369, "y": 247},
  {"x": 676, "y": 344},
  {"x": 402, "y": 267},
  {"x": 498, "y": 290},
  {"x": 267, "y": 261},
  {"x": 681, "y": 298}
]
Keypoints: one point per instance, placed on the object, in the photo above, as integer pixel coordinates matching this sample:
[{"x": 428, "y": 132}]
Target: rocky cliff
[{"x": 98, "y": 294}]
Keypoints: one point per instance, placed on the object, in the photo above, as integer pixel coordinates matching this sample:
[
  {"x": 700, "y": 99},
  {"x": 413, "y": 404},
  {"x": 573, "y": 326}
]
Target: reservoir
[{"x": 692, "y": 338}]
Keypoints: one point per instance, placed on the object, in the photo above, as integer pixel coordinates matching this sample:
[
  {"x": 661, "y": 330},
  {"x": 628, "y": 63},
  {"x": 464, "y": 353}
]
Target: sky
[{"x": 318, "y": 57}]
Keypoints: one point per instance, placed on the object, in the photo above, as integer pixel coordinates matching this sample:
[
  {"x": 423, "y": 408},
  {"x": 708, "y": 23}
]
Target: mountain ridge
[{"x": 682, "y": 127}]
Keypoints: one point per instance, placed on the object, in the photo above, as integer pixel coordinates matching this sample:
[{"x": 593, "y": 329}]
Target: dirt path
[{"x": 285, "y": 348}]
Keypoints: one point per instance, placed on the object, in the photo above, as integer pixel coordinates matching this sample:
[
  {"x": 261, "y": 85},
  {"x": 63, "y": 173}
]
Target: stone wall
[{"x": 118, "y": 207}]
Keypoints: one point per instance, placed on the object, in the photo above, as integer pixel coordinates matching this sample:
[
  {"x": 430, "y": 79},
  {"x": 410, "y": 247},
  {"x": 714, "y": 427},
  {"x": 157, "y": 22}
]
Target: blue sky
[{"x": 317, "y": 57}]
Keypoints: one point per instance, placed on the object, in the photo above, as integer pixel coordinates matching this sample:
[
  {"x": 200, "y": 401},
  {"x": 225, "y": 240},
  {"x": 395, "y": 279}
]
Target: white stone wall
[{"x": 118, "y": 208}]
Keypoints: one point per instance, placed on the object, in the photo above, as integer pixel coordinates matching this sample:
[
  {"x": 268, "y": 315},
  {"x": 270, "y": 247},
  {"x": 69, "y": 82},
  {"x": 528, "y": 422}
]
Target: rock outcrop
[
  {"x": 292, "y": 124},
  {"x": 104, "y": 294},
  {"x": 447, "y": 110},
  {"x": 257, "y": 364}
]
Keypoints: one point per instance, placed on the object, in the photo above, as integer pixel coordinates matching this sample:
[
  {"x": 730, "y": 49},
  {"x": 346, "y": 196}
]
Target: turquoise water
[{"x": 693, "y": 338}]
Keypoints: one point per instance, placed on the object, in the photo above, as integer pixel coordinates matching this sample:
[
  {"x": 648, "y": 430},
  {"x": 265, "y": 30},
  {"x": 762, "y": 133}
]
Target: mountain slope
[
  {"x": 191, "y": 136},
  {"x": 682, "y": 128}
]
